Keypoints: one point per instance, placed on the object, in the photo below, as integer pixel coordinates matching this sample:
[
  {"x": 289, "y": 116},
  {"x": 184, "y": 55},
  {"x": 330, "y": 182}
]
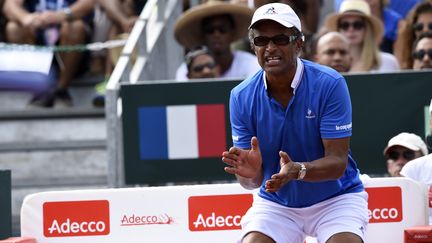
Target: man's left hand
[{"x": 287, "y": 173}]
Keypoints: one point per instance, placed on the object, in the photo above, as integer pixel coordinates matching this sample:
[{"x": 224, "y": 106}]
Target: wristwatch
[
  {"x": 302, "y": 171},
  {"x": 68, "y": 13}
]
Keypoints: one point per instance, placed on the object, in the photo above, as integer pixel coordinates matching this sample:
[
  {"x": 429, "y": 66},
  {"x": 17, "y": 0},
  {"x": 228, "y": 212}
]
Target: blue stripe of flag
[{"x": 153, "y": 132}]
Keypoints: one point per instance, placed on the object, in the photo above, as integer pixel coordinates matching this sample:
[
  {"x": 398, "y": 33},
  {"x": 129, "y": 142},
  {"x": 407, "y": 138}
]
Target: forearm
[
  {"x": 330, "y": 167},
  {"x": 112, "y": 9},
  {"x": 14, "y": 11}
]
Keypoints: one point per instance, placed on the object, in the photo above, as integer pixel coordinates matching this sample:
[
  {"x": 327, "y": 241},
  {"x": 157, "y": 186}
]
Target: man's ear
[{"x": 299, "y": 44}]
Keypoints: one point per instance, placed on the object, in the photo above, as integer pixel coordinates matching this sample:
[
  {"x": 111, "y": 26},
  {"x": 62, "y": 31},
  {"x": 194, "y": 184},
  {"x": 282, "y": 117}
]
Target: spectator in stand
[
  {"x": 217, "y": 24},
  {"x": 332, "y": 49},
  {"x": 122, "y": 15},
  {"x": 2, "y": 22},
  {"x": 364, "y": 32},
  {"x": 390, "y": 19},
  {"x": 422, "y": 54},
  {"x": 201, "y": 64},
  {"x": 66, "y": 22},
  {"x": 401, "y": 149},
  {"x": 420, "y": 169},
  {"x": 418, "y": 21},
  {"x": 402, "y": 7}
]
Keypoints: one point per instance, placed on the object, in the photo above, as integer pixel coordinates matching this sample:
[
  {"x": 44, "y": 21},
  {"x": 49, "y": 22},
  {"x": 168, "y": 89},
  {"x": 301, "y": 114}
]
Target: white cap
[
  {"x": 409, "y": 141},
  {"x": 278, "y": 12}
]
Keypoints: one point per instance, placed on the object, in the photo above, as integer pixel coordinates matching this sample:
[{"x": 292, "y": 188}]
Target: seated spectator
[
  {"x": 418, "y": 21},
  {"x": 216, "y": 25},
  {"x": 49, "y": 23},
  {"x": 420, "y": 169},
  {"x": 332, "y": 49},
  {"x": 401, "y": 149},
  {"x": 2, "y": 22},
  {"x": 364, "y": 33},
  {"x": 390, "y": 19},
  {"x": 422, "y": 54},
  {"x": 402, "y": 7},
  {"x": 122, "y": 15},
  {"x": 201, "y": 64}
]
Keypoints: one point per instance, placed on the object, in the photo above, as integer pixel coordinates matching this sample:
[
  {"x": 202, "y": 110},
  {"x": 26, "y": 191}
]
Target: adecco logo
[
  {"x": 76, "y": 218},
  {"x": 208, "y": 213},
  {"x": 385, "y": 204}
]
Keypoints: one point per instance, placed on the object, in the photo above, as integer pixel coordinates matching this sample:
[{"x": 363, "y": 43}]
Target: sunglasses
[
  {"x": 420, "y": 54},
  {"x": 280, "y": 40},
  {"x": 357, "y": 25},
  {"x": 200, "y": 68},
  {"x": 210, "y": 29},
  {"x": 420, "y": 26},
  {"x": 407, "y": 154}
]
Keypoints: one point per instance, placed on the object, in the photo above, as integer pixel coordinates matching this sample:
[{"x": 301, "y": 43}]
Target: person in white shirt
[
  {"x": 401, "y": 149},
  {"x": 420, "y": 169},
  {"x": 217, "y": 25}
]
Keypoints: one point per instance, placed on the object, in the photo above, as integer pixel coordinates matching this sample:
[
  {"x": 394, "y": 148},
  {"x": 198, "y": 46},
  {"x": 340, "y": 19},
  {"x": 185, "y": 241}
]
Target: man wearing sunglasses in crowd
[
  {"x": 291, "y": 126},
  {"x": 422, "y": 54},
  {"x": 401, "y": 149},
  {"x": 217, "y": 25},
  {"x": 420, "y": 169},
  {"x": 201, "y": 64}
]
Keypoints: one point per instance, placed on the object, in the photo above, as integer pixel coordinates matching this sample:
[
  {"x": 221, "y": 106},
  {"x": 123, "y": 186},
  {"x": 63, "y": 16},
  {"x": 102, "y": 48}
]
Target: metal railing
[{"x": 158, "y": 57}]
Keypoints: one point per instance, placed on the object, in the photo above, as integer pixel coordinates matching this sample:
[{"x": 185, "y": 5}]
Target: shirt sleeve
[
  {"x": 336, "y": 119},
  {"x": 241, "y": 135}
]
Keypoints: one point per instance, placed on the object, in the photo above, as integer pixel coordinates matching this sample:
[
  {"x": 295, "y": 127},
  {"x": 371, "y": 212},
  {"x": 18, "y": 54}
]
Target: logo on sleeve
[
  {"x": 209, "y": 213},
  {"x": 344, "y": 127},
  {"x": 76, "y": 218},
  {"x": 385, "y": 204}
]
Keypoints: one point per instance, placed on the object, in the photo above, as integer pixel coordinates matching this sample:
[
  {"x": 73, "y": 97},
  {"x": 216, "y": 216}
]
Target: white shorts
[{"x": 344, "y": 213}]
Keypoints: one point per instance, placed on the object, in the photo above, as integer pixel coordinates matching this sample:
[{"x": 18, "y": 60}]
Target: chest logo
[{"x": 310, "y": 114}]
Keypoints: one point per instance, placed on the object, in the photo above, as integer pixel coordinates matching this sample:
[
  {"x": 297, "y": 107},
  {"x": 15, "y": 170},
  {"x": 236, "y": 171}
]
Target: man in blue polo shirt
[{"x": 300, "y": 112}]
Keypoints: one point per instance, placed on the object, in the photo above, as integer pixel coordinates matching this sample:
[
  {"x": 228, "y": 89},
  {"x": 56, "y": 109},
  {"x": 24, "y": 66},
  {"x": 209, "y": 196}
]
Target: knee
[
  {"x": 15, "y": 33},
  {"x": 74, "y": 32}
]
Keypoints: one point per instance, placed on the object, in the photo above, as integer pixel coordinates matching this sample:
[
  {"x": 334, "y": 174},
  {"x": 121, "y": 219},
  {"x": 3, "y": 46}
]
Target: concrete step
[
  {"x": 40, "y": 129},
  {"x": 52, "y": 149}
]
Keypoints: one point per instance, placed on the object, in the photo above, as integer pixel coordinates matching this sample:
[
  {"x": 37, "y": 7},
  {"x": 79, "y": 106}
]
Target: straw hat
[
  {"x": 356, "y": 8},
  {"x": 187, "y": 29}
]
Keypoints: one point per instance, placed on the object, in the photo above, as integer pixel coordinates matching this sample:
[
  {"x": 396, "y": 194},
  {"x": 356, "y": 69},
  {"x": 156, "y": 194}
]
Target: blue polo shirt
[{"x": 320, "y": 109}]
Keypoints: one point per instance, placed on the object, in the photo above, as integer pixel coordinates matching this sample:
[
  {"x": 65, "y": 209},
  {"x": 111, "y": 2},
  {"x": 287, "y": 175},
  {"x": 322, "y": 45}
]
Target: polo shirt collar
[{"x": 297, "y": 77}]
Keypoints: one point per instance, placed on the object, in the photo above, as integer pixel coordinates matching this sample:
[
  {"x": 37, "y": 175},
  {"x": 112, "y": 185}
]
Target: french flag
[{"x": 182, "y": 131}]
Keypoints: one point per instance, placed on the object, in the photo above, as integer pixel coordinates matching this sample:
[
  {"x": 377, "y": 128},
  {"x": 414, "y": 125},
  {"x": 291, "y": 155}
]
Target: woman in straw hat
[
  {"x": 364, "y": 32},
  {"x": 217, "y": 24}
]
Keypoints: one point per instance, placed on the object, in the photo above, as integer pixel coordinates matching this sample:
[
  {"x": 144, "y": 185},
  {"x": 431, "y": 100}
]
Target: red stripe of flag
[{"x": 211, "y": 130}]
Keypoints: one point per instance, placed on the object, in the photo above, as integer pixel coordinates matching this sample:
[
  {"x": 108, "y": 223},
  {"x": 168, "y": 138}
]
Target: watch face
[{"x": 302, "y": 171}]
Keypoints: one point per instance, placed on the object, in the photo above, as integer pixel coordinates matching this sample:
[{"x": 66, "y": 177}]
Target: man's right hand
[{"x": 245, "y": 163}]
